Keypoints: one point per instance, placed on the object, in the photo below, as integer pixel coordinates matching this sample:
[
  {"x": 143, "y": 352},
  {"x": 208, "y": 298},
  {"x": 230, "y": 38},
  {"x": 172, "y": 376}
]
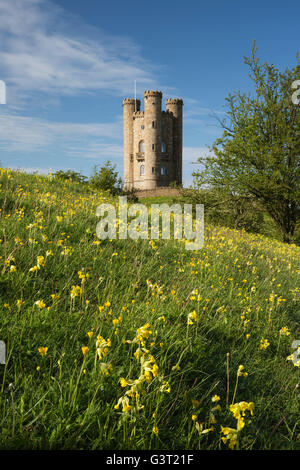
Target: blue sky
[{"x": 68, "y": 64}]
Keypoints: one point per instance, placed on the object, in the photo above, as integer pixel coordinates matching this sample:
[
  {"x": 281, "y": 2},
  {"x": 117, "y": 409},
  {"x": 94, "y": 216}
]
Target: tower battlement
[
  {"x": 150, "y": 93},
  {"x": 139, "y": 114},
  {"x": 131, "y": 101},
  {"x": 174, "y": 101},
  {"x": 152, "y": 141}
]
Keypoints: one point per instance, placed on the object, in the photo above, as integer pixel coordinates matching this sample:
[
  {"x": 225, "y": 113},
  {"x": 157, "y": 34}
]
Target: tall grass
[{"x": 154, "y": 327}]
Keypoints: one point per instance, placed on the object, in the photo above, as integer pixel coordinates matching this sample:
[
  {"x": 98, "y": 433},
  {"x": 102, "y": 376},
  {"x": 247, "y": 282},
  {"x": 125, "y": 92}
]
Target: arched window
[
  {"x": 142, "y": 170},
  {"x": 163, "y": 170},
  {"x": 163, "y": 147},
  {"x": 141, "y": 146}
]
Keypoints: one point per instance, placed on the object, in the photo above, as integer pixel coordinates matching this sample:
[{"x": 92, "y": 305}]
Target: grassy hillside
[{"x": 124, "y": 344}]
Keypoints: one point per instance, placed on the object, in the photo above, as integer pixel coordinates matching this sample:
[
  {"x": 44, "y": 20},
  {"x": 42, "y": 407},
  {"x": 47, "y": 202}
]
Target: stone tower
[{"x": 152, "y": 142}]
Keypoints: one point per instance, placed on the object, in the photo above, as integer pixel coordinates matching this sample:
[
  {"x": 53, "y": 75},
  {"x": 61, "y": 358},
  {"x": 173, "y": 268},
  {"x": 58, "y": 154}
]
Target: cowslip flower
[
  {"x": 42, "y": 350},
  {"x": 240, "y": 371},
  {"x": 84, "y": 350},
  {"x": 215, "y": 398},
  {"x": 192, "y": 317},
  {"x": 75, "y": 291},
  {"x": 229, "y": 434},
  {"x": 264, "y": 344},
  {"x": 123, "y": 382},
  {"x": 284, "y": 331}
]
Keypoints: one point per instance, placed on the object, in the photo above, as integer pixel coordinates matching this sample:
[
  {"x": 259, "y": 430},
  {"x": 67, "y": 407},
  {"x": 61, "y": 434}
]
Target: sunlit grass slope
[{"x": 124, "y": 344}]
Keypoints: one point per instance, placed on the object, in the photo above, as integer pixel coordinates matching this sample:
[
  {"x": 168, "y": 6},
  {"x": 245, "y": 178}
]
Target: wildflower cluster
[
  {"x": 231, "y": 434},
  {"x": 148, "y": 372}
]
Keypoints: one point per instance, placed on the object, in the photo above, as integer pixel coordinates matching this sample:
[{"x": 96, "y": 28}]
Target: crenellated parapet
[
  {"x": 153, "y": 93},
  {"x": 139, "y": 114},
  {"x": 131, "y": 101},
  {"x": 167, "y": 113},
  {"x": 174, "y": 101}
]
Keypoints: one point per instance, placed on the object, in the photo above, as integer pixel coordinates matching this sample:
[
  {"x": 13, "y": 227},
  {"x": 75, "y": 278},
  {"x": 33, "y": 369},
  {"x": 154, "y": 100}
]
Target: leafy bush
[
  {"x": 70, "y": 175},
  {"x": 106, "y": 178}
]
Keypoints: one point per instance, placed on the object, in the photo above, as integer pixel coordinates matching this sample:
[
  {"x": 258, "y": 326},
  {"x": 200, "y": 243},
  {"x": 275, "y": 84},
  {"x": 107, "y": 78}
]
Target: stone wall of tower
[
  {"x": 152, "y": 110},
  {"x": 129, "y": 107},
  {"x": 166, "y": 158},
  {"x": 139, "y": 156},
  {"x": 157, "y": 162},
  {"x": 175, "y": 106}
]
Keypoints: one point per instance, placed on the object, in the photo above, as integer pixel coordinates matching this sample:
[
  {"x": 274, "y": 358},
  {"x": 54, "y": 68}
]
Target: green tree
[
  {"x": 258, "y": 153},
  {"x": 70, "y": 175},
  {"x": 106, "y": 178}
]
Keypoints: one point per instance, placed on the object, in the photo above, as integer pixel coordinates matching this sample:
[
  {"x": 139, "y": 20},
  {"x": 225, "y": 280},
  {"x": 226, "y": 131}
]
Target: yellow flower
[
  {"x": 264, "y": 344},
  {"x": 284, "y": 331},
  {"x": 90, "y": 334},
  {"x": 55, "y": 296},
  {"x": 42, "y": 350},
  {"x": 123, "y": 382},
  {"x": 155, "y": 430},
  {"x": 251, "y": 407},
  {"x": 40, "y": 304},
  {"x": 192, "y": 317},
  {"x": 194, "y": 417},
  {"x": 84, "y": 350},
  {"x": 215, "y": 398},
  {"x": 40, "y": 261},
  {"x": 75, "y": 291},
  {"x": 154, "y": 370},
  {"x": 240, "y": 373},
  {"x": 34, "y": 269},
  {"x": 229, "y": 434}
]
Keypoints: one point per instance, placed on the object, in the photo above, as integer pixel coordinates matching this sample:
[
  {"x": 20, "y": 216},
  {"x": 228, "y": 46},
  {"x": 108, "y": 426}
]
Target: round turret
[
  {"x": 152, "y": 120},
  {"x": 130, "y": 105},
  {"x": 174, "y": 105}
]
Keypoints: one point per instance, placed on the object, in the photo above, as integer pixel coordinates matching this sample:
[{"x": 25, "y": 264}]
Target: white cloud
[
  {"x": 43, "y": 49},
  {"x": 29, "y": 134}
]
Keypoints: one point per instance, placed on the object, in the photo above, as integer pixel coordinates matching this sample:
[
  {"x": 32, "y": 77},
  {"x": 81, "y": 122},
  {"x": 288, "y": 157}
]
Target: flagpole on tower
[{"x": 135, "y": 95}]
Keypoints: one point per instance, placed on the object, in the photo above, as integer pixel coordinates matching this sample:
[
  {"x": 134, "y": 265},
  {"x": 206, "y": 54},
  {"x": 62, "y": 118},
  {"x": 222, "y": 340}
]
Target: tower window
[
  {"x": 142, "y": 170},
  {"x": 142, "y": 126},
  {"x": 153, "y": 169},
  {"x": 153, "y": 146},
  {"x": 153, "y": 124},
  {"x": 163, "y": 147},
  {"x": 163, "y": 170},
  {"x": 141, "y": 146}
]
